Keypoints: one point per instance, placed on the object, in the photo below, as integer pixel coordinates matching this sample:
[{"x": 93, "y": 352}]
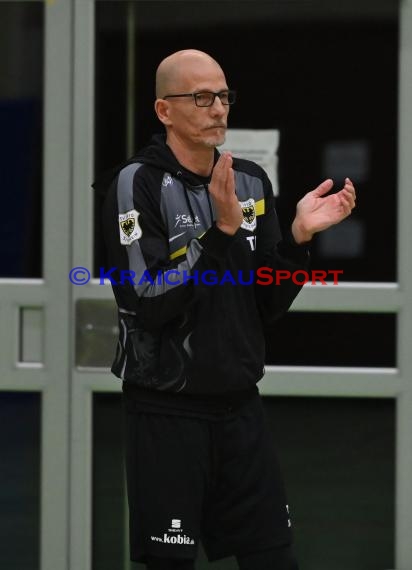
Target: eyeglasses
[{"x": 207, "y": 98}]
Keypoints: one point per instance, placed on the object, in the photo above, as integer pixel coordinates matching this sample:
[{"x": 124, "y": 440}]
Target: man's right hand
[{"x": 229, "y": 214}]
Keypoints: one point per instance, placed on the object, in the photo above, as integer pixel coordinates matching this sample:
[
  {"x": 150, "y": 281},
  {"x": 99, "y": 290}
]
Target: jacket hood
[{"x": 157, "y": 154}]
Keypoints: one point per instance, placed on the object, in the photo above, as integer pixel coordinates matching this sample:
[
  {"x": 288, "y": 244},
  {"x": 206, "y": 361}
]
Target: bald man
[{"x": 187, "y": 232}]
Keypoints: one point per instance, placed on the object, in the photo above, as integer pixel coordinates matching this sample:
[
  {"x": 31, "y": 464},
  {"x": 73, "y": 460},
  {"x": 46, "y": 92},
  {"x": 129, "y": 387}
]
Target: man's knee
[{"x": 280, "y": 558}]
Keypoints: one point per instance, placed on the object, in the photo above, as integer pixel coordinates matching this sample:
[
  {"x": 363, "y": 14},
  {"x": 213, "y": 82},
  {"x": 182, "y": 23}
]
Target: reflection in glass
[
  {"x": 96, "y": 332},
  {"x": 19, "y": 480},
  {"x": 21, "y": 116}
]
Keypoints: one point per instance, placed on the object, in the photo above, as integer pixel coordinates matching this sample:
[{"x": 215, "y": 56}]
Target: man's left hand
[{"x": 316, "y": 212}]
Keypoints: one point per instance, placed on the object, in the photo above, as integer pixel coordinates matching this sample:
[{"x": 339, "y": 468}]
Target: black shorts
[{"x": 215, "y": 480}]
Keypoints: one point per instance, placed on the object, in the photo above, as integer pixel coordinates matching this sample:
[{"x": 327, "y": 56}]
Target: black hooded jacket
[{"x": 191, "y": 309}]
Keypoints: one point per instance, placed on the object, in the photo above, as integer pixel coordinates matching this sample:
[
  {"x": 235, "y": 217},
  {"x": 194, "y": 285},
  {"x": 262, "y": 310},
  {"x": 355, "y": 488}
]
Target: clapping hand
[{"x": 316, "y": 212}]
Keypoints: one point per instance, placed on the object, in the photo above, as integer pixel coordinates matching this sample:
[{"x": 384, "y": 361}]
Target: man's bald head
[{"x": 180, "y": 66}]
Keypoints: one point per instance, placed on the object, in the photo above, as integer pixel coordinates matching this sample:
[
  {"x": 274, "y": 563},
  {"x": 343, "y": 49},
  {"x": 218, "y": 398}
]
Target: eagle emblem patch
[
  {"x": 129, "y": 227},
  {"x": 249, "y": 215}
]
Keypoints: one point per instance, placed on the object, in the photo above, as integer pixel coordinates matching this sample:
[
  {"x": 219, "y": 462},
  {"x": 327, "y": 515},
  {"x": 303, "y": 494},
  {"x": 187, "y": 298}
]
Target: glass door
[
  {"x": 340, "y": 106},
  {"x": 76, "y": 95}
]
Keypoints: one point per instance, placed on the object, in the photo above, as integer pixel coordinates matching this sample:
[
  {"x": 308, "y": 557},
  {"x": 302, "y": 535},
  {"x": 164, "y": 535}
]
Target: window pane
[
  {"x": 334, "y": 101},
  {"x": 19, "y": 480},
  {"x": 333, "y": 339},
  {"x": 338, "y": 458},
  {"x": 109, "y": 500},
  {"x": 21, "y": 133}
]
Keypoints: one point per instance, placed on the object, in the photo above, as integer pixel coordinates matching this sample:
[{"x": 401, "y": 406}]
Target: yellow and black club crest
[
  {"x": 128, "y": 226},
  {"x": 249, "y": 214}
]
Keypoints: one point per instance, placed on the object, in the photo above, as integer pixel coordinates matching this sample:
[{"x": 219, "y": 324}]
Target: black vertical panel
[
  {"x": 110, "y": 103},
  {"x": 21, "y": 138},
  {"x": 20, "y": 480},
  {"x": 109, "y": 529}
]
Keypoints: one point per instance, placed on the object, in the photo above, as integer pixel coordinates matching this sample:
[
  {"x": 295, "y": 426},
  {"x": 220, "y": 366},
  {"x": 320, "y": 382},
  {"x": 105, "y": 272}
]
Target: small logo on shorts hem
[{"x": 177, "y": 538}]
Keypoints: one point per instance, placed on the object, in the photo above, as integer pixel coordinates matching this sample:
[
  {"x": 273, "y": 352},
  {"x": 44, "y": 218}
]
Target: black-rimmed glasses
[{"x": 207, "y": 98}]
